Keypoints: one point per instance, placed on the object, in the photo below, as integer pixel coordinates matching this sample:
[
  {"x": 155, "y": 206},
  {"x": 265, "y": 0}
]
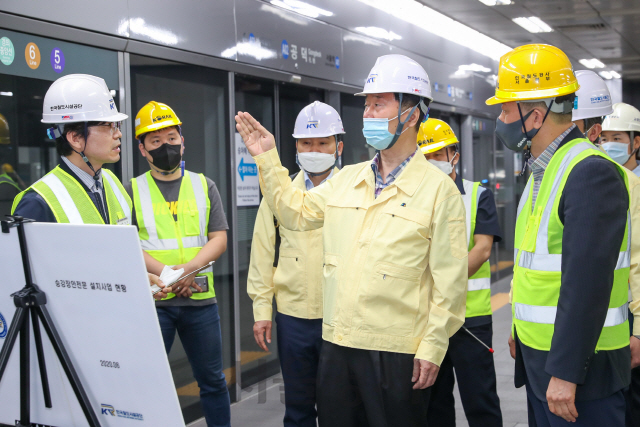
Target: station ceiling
[{"x": 608, "y": 30}]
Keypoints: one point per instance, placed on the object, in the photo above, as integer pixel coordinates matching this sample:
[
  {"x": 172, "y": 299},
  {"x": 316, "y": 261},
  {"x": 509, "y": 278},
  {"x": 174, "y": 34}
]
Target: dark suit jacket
[{"x": 593, "y": 209}]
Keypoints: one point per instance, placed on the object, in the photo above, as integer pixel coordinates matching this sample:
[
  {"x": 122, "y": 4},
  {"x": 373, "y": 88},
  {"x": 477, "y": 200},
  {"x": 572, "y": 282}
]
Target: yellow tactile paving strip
[{"x": 230, "y": 373}]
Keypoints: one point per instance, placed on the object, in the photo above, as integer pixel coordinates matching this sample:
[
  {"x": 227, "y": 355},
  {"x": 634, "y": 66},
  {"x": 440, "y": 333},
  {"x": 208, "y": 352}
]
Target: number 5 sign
[
  {"x": 57, "y": 60},
  {"x": 32, "y": 55}
]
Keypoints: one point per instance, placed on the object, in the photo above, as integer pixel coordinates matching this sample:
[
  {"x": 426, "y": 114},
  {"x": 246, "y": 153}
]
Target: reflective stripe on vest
[
  {"x": 547, "y": 314},
  {"x": 63, "y": 196},
  {"x": 146, "y": 205},
  {"x": 537, "y": 273},
  {"x": 70, "y": 203},
  {"x": 122, "y": 199},
  {"x": 479, "y": 285},
  {"x": 171, "y": 241}
]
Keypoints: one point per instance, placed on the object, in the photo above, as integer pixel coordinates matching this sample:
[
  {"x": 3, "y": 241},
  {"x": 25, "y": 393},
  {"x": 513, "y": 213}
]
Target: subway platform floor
[{"x": 262, "y": 405}]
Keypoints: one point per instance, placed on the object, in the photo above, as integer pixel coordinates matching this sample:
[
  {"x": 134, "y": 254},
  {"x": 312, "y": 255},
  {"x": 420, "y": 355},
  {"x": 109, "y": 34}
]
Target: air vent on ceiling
[{"x": 582, "y": 27}]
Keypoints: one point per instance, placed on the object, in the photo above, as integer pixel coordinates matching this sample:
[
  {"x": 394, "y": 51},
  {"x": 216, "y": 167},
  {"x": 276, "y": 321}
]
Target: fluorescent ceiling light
[
  {"x": 496, "y": 2},
  {"x": 615, "y": 75},
  {"x": 249, "y": 49},
  {"x": 435, "y": 22},
  {"x": 606, "y": 75},
  {"x": 474, "y": 67},
  {"x": 378, "y": 33},
  {"x": 6, "y": 93},
  {"x": 302, "y": 8},
  {"x": 533, "y": 24},
  {"x": 592, "y": 63}
]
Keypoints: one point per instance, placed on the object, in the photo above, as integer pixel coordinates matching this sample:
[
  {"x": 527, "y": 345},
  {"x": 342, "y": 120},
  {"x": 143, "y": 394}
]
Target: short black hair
[
  {"x": 409, "y": 101},
  {"x": 592, "y": 121},
  {"x": 62, "y": 143},
  {"x": 144, "y": 135}
]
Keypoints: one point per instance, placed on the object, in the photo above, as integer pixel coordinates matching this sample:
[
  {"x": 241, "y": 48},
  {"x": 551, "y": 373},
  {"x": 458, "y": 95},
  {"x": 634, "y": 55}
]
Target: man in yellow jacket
[
  {"x": 395, "y": 256},
  {"x": 182, "y": 225},
  {"x": 296, "y": 281}
]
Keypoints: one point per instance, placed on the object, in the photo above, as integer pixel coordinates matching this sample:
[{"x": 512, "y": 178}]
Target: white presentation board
[{"x": 99, "y": 299}]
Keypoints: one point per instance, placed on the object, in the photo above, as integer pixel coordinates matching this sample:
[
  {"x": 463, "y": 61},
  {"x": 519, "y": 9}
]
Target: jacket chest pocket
[
  {"x": 404, "y": 236},
  {"x": 392, "y": 300}
]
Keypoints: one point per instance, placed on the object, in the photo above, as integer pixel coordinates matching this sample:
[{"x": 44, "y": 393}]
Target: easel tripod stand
[{"x": 30, "y": 301}]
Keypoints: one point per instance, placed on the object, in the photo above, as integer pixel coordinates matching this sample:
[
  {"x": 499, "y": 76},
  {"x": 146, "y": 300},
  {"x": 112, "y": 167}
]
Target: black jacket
[{"x": 593, "y": 209}]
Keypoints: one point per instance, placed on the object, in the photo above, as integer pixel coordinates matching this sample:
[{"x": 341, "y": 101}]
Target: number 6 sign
[
  {"x": 57, "y": 60},
  {"x": 32, "y": 55}
]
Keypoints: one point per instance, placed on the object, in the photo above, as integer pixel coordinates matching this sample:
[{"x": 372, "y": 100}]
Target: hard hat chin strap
[
  {"x": 96, "y": 175},
  {"x": 401, "y": 124}
]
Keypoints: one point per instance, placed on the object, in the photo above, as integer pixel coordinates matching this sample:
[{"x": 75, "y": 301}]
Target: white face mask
[
  {"x": 446, "y": 167},
  {"x": 314, "y": 162}
]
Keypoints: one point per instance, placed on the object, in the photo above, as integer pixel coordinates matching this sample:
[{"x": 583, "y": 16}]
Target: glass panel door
[
  {"x": 257, "y": 97},
  {"x": 198, "y": 96}
]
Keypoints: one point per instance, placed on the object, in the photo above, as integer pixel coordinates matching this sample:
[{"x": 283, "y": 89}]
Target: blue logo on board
[
  {"x": 337, "y": 62},
  {"x": 285, "y": 49},
  {"x": 3, "y": 327},
  {"x": 449, "y": 90},
  {"x": 247, "y": 169}
]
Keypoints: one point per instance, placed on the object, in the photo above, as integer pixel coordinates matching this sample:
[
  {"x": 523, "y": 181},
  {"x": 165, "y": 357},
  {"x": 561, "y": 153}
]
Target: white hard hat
[
  {"x": 624, "y": 117},
  {"x": 397, "y": 74},
  {"x": 318, "y": 120},
  {"x": 593, "y": 98},
  {"x": 79, "y": 98}
]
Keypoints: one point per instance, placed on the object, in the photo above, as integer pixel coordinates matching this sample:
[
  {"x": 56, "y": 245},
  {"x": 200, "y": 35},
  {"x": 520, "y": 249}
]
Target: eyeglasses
[{"x": 112, "y": 125}]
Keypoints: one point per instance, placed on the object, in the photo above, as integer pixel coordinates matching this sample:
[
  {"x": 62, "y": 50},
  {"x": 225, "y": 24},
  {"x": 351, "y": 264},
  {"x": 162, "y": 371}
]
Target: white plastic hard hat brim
[
  {"x": 397, "y": 74},
  {"x": 624, "y": 117},
  {"x": 79, "y": 98},
  {"x": 318, "y": 120},
  {"x": 593, "y": 98},
  {"x": 77, "y": 118}
]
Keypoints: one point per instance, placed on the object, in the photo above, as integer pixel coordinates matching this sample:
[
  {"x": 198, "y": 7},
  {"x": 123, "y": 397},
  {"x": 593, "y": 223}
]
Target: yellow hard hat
[
  {"x": 155, "y": 116},
  {"x": 534, "y": 71},
  {"x": 7, "y": 168},
  {"x": 434, "y": 135},
  {"x": 5, "y": 136}
]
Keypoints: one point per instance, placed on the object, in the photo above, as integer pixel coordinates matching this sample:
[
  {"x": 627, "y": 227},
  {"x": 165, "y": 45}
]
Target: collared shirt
[
  {"x": 393, "y": 175},
  {"x": 95, "y": 185},
  {"x": 309, "y": 184},
  {"x": 637, "y": 169},
  {"x": 395, "y": 267},
  {"x": 539, "y": 165}
]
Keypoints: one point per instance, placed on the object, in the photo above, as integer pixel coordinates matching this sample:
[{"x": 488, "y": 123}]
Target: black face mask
[{"x": 166, "y": 157}]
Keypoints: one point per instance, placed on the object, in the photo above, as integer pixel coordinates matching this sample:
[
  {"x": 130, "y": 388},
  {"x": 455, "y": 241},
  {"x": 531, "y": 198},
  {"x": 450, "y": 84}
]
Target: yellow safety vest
[
  {"x": 479, "y": 285},
  {"x": 174, "y": 242},
  {"x": 538, "y": 258},
  {"x": 6, "y": 179},
  {"x": 70, "y": 203}
]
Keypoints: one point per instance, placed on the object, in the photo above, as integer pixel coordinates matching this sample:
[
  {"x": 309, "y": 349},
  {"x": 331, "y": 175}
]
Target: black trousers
[
  {"x": 476, "y": 374},
  {"x": 366, "y": 388}
]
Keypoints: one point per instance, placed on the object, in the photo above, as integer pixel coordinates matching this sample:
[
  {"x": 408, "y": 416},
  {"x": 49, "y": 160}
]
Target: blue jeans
[{"x": 199, "y": 330}]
